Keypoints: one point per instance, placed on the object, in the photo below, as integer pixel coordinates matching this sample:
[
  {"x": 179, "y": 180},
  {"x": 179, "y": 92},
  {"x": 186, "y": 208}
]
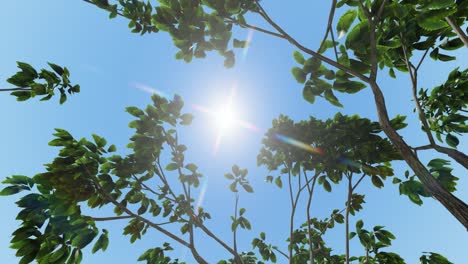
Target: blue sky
[{"x": 109, "y": 63}]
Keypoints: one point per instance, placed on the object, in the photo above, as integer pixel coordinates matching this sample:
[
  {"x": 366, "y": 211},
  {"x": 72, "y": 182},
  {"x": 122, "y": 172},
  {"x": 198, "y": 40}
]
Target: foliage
[
  {"x": 88, "y": 173},
  {"x": 444, "y": 107},
  {"x": 149, "y": 191},
  {"x": 28, "y": 81}
]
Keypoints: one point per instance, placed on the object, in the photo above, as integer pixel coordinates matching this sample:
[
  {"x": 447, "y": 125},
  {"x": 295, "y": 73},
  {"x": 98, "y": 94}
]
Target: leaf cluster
[{"x": 44, "y": 83}]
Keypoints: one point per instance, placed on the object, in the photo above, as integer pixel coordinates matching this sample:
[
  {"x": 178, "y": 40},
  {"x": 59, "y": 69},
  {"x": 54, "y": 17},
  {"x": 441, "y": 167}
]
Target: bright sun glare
[{"x": 225, "y": 117}]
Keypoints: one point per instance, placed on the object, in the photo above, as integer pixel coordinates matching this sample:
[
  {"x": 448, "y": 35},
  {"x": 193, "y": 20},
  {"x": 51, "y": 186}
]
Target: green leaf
[
  {"x": 56, "y": 68},
  {"x": 396, "y": 181},
  {"x": 242, "y": 211},
  {"x": 439, "y": 4},
  {"x": 348, "y": 86},
  {"x": 330, "y": 97},
  {"x": 13, "y": 190},
  {"x": 377, "y": 181},
  {"x": 298, "y": 57},
  {"x": 308, "y": 94},
  {"x": 443, "y": 57},
  {"x": 248, "y": 188},
  {"x": 278, "y": 182},
  {"x": 240, "y": 44},
  {"x": 112, "y": 148},
  {"x": 186, "y": 119},
  {"x": 452, "y": 140},
  {"x": 134, "y": 111},
  {"x": 345, "y": 22},
  {"x": 19, "y": 179},
  {"x": 299, "y": 74},
  {"x": 83, "y": 238},
  {"x": 100, "y": 141},
  {"x": 191, "y": 167},
  {"x": 101, "y": 243},
  {"x": 327, "y": 186},
  {"x": 359, "y": 225},
  {"x": 233, "y": 186},
  {"x": 63, "y": 98},
  {"x": 430, "y": 23},
  {"x": 172, "y": 167}
]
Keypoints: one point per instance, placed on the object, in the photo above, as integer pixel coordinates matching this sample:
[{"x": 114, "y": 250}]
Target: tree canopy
[{"x": 153, "y": 186}]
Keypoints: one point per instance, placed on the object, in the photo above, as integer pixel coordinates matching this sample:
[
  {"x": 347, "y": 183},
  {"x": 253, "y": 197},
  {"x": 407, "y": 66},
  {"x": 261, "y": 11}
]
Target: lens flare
[
  {"x": 149, "y": 89},
  {"x": 245, "y": 52},
  {"x": 298, "y": 144}
]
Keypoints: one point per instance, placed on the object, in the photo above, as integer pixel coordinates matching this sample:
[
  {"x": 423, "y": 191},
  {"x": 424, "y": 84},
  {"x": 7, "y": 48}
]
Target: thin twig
[
  {"x": 357, "y": 183},
  {"x": 423, "y": 147},
  {"x": 421, "y": 60},
  {"x": 259, "y": 29},
  {"x": 294, "y": 42},
  {"x": 235, "y": 220},
  {"x": 348, "y": 206},
  {"x": 414, "y": 81},
  {"x": 110, "y": 218},
  {"x": 126, "y": 210},
  {"x": 309, "y": 227},
  {"x": 15, "y": 89},
  {"x": 281, "y": 252},
  {"x": 331, "y": 15}
]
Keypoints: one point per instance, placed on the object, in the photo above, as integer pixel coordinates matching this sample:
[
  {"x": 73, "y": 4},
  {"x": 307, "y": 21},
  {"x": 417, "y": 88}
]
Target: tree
[
  {"x": 138, "y": 185},
  {"x": 152, "y": 193},
  {"x": 378, "y": 34}
]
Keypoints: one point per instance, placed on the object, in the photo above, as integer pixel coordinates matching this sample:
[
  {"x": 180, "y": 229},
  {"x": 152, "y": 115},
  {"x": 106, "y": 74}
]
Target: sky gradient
[{"x": 116, "y": 68}]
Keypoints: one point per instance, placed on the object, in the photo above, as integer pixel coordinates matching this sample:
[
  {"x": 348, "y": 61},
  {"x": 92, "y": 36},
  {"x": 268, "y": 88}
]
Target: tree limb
[
  {"x": 14, "y": 89},
  {"x": 457, "y": 30},
  {"x": 309, "y": 51},
  {"x": 111, "y": 218}
]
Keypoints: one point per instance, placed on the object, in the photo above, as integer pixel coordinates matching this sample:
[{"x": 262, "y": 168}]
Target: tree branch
[
  {"x": 414, "y": 81},
  {"x": 454, "y": 205},
  {"x": 309, "y": 227},
  {"x": 329, "y": 29},
  {"x": 348, "y": 206},
  {"x": 309, "y": 51},
  {"x": 15, "y": 89},
  {"x": 130, "y": 213},
  {"x": 373, "y": 44},
  {"x": 111, "y": 218},
  {"x": 210, "y": 234},
  {"x": 245, "y": 25},
  {"x": 357, "y": 183},
  {"x": 458, "y": 156},
  {"x": 421, "y": 60},
  {"x": 457, "y": 30},
  {"x": 281, "y": 252},
  {"x": 235, "y": 229}
]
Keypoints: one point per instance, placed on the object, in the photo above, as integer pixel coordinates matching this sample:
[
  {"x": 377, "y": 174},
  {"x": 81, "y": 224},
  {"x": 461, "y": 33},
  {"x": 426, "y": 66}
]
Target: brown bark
[
  {"x": 455, "y": 206},
  {"x": 458, "y": 156}
]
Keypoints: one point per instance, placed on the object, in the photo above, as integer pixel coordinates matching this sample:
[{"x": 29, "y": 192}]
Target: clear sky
[{"x": 110, "y": 63}]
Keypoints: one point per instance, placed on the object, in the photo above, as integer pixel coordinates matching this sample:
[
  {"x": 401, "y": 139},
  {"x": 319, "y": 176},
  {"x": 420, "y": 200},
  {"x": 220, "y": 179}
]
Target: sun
[{"x": 225, "y": 118}]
